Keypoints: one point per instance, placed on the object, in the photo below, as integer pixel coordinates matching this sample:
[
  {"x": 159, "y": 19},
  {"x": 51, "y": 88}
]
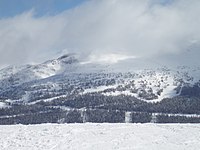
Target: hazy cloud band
[{"x": 141, "y": 28}]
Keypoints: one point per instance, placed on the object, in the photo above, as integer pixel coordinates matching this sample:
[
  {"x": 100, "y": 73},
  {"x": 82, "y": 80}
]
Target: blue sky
[{"x": 10, "y": 8}]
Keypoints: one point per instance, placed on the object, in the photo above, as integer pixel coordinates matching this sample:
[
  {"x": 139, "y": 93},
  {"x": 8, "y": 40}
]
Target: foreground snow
[{"x": 100, "y": 136}]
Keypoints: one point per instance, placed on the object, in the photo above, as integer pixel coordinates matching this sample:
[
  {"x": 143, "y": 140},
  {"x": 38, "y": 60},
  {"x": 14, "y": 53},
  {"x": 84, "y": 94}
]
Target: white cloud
[
  {"x": 107, "y": 58},
  {"x": 140, "y": 28}
]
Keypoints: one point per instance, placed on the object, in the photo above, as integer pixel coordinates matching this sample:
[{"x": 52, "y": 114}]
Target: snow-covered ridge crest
[
  {"x": 55, "y": 66},
  {"x": 39, "y": 71}
]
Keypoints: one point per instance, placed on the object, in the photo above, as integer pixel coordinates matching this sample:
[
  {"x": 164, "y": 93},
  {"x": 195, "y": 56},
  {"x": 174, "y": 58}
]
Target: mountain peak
[{"x": 68, "y": 58}]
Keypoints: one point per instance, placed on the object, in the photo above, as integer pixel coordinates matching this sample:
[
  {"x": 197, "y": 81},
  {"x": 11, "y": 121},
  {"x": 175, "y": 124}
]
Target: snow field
[{"x": 90, "y": 136}]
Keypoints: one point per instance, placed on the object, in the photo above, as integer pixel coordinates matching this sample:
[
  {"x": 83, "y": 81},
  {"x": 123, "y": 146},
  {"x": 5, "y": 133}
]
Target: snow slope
[
  {"x": 2, "y": 105},
  {"x": 67, "y": 75},
  {"x": 100, "y": 136}
]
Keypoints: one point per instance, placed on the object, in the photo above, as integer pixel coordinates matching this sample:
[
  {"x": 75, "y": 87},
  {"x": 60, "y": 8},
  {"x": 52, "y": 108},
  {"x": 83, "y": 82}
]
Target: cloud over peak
[{"x": 142, "y": 28}]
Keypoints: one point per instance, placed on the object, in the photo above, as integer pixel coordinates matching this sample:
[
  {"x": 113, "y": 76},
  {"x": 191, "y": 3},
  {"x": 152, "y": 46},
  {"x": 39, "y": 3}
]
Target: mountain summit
[{"x": 66, "y": 76}]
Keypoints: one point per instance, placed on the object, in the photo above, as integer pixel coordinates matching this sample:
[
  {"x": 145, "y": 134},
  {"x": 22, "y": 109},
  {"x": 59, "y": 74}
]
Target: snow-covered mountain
[
  {"x": 33, "y": 72},
  {"x": 67, "y": 75}
]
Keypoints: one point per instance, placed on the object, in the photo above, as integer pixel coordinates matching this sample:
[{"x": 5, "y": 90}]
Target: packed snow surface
[{"x": 90, "y": 136}]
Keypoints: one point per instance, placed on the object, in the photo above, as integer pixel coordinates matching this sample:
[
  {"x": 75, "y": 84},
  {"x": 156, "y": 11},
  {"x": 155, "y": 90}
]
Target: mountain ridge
[{"x": 67, "y": 73}]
